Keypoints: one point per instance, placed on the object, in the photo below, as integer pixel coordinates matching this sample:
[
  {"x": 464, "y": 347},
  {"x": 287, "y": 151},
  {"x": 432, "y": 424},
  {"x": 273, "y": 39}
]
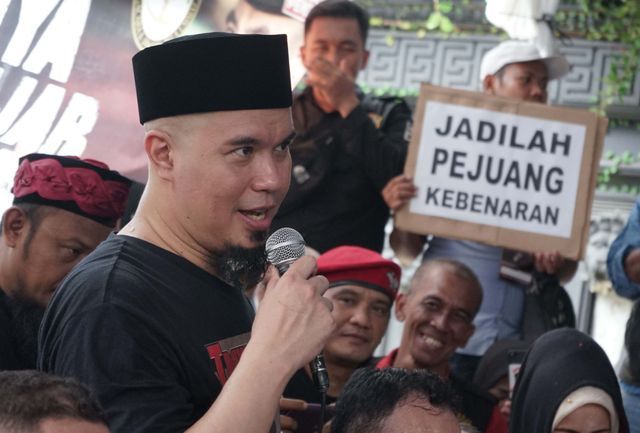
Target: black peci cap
[{"x": 212, "y": 72}]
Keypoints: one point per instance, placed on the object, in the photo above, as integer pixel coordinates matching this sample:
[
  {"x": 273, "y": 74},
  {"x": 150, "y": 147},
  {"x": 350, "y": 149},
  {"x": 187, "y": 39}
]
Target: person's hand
[
  {"x": 504, "y": 406},
  {"x": 632, "y": 265},
  {"x": 293, "y": 320},
  {"x": 287, "y": 423},
  {"x": 550, "y": 262},
  {"x": 335, "y": 84},
  {"x": 398, "y": 191}
]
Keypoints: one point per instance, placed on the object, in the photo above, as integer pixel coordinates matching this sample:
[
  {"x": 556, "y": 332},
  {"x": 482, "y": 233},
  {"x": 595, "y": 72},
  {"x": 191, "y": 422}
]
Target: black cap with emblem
[{"x": 212, "y": 72}]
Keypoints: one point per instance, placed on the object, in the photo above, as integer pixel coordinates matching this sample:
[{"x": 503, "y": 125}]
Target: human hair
[
  {"x": 370, "y": 396},
  {"x": 29, "y": 397},
  {"x": 457, "y": 268},
  {"x": 340, "y": 9}
]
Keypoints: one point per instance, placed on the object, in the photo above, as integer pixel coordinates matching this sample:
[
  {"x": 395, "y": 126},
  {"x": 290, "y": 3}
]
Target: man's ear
[
  {"x": 401, "y": 302},
  {"x": 303, "y": 56},
  {"x": 365, "y": 60},
  {"x": 14, "y": 226},
  {"x": 489, "y": 83},
  {"x": 160, "y": 151}
]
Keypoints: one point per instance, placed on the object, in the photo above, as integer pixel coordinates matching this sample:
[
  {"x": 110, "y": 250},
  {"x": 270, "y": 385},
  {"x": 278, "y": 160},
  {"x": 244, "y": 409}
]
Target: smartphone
[
  {"x": 515, "y": 358},
  {"x": 309, "y": 420}
]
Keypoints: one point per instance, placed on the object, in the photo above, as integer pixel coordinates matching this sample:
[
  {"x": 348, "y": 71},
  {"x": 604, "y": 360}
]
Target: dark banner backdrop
[{"x": 66, "y": 84}]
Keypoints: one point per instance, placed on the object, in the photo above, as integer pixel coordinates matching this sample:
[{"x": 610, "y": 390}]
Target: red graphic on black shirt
[{"x": 225, "y": 355}]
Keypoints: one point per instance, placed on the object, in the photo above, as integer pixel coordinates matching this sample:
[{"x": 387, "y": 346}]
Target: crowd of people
[{"x": 147, "y": 326}]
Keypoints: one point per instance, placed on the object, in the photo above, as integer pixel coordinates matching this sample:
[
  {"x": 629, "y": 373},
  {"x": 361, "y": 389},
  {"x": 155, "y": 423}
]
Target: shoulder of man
[
  {"x": 380, "y": 108},
  {"x": 88, "y": 284}
]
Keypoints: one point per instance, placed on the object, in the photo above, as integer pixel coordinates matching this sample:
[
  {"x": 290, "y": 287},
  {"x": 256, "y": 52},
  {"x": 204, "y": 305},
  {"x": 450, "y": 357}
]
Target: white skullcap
[{"x": 521, "y": 51}]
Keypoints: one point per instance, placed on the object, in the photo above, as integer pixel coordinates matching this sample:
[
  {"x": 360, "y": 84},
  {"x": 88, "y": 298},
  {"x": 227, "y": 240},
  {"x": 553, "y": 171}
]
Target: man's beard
[{"x": 241, "y": 267}]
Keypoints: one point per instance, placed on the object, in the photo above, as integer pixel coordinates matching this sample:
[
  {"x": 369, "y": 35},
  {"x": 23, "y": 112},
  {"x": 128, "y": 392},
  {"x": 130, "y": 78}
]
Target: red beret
[
  {"x": 83, "y": 186},
  {"x": 361, "y": 267}
]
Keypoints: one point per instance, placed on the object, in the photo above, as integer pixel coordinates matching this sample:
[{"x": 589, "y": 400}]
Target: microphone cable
[{"x": 323, "y": 407}]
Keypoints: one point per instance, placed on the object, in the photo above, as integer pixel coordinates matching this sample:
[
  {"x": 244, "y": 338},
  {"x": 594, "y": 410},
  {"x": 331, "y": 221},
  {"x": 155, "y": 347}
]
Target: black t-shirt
[{"x": 152, "y": 335}]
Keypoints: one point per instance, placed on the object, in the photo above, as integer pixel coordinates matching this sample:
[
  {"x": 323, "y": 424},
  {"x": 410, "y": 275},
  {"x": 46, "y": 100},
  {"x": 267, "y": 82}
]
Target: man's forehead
[
  {"x": 279, "y": 116},
  {"x": 533, "y": 66},
  {"x": 65, "y": 218},
  {"x": 359, "y": 290},
  {"x": 441, "y": 282},
  {"x": 334, "y": 23}
]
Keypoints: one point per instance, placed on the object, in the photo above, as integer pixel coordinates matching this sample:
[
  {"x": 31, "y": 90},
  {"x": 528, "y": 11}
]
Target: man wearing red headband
[{"x": 63, "y": 208}]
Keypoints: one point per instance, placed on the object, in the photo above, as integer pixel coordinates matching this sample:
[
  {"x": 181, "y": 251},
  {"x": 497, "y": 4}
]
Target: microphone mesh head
[{"x": 285, "y": 245}]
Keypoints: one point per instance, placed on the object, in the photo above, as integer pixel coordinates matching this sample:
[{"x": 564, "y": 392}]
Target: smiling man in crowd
[{"x": 437, "y": 311}]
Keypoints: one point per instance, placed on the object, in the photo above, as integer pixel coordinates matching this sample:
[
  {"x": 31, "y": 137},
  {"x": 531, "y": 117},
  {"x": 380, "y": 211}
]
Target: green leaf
[
  {"x": 433, "y": 22},
  {"x": 420, "y": 34},
  {"x": 376, "y": 21},
  {"x": 389, "y": 40},
  {"x": 446, "y": 25},
  {"x": 446, "y": 6}
]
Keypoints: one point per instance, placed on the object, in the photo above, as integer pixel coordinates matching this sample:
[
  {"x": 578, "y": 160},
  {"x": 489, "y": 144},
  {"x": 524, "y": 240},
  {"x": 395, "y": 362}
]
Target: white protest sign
[
  {"x": 510, "y": 173},
  {"x": 498, "y": 169}
]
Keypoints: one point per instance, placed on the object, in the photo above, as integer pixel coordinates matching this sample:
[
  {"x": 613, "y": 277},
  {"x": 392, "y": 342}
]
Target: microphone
[{"x": 284, "y": 247}]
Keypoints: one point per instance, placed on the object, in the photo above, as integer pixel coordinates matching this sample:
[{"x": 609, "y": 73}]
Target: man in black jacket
[{"x": 348, "y": 146}]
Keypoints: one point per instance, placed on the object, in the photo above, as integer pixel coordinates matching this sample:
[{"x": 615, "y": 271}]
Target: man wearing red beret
[
  {"x": 362, "y": 288},
  {"x": 63, "y": 208}
]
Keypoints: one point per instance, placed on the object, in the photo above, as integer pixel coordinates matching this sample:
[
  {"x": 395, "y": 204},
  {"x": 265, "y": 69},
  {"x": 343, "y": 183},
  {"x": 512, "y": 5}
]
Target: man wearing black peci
[{"x": 156, "y": 321}]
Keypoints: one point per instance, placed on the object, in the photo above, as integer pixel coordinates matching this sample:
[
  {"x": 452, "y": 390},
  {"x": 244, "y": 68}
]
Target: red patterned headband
[{"x": 85, "y": 187}]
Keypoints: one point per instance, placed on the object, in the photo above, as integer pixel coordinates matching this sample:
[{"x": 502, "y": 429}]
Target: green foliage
[
  {"x": 438, "y": 18},
  {"x": 615, "y": 22},
  {"x": 613, "y": 163}
]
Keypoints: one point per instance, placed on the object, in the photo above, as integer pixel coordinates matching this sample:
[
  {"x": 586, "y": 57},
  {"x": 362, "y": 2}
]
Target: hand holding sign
[{"x": 398, "y": 191}]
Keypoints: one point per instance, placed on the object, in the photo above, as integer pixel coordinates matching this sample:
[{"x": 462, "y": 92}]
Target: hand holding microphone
[
  {"x": 284, "y": 247},
  {"x": 293, "y": 320}
]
